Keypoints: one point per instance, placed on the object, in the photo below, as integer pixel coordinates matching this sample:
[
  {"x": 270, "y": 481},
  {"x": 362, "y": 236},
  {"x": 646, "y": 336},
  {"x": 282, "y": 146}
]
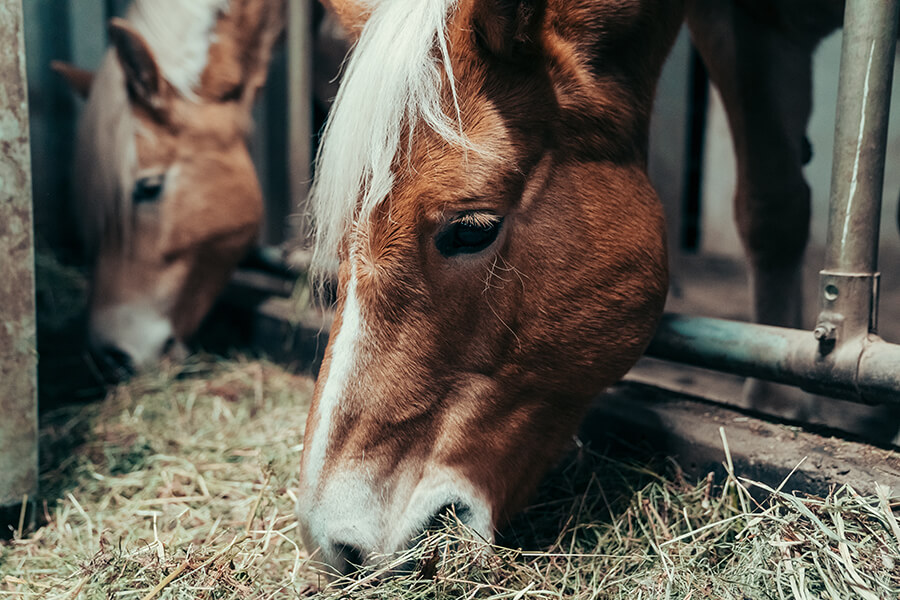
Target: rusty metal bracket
[{"x": 848, "y": 308}]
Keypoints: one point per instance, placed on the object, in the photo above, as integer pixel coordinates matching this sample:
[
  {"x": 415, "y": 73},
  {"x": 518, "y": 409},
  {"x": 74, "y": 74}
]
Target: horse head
[
  {"x": 166, "y": 196},
  {"x": 481, "y": 194}
]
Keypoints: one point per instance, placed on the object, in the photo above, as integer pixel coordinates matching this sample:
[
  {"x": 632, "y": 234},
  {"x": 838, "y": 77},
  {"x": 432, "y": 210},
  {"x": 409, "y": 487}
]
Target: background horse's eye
[
  {"x": 148, "y": 189},
  {"x": 468, "y": 234}
]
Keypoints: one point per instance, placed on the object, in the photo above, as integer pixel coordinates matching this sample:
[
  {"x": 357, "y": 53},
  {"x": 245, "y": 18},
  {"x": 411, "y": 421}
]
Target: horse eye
[
  {"x": 148, "y": 189},
  {"x": 468, "y": 234}
]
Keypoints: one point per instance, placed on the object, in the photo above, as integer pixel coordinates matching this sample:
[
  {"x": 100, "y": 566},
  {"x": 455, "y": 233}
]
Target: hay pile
[
  {"x": 180, "y": 487},
  {"x": 664, "y": 539},
  {"x": 182, "y": 474}
]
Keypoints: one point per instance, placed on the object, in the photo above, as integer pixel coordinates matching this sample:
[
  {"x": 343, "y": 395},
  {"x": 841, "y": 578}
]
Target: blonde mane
[
  {"x": 393, "y": 81},
  {"x": 105, "y": 157},
  {"x": 179, "y": 33}
]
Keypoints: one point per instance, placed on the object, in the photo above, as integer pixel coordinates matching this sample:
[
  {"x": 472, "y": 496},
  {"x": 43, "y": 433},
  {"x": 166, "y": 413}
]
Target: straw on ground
[{"x": 179, "y": 485}]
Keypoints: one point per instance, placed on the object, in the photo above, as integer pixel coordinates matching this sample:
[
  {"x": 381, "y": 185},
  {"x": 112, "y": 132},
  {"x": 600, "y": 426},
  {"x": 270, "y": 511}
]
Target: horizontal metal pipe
[
  {"x": 879, "y": 371},
  {"x": 867, "y": 371}
]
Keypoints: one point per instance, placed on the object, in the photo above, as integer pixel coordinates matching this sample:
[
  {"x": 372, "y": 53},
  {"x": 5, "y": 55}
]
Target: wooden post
[{"x": 18, "y": 354}]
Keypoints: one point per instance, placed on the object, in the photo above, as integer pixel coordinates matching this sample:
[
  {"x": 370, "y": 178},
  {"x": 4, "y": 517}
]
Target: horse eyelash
[{"x": 483, "y": 220}]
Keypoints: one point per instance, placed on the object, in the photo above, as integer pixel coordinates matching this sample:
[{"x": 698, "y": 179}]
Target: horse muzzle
[
  {"x": 354, "y": 521},
  {"x": 126, "y": 339}
]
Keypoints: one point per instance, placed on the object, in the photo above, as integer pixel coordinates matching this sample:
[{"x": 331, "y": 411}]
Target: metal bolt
[{"x": 824, "y": 332}]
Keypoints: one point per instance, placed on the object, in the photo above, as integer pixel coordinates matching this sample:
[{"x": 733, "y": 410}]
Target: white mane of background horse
[{"x": 180, "y": 34}]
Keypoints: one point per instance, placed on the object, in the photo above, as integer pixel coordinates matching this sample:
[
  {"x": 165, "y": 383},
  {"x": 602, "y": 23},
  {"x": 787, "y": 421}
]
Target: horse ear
[
  {"x": 146, "y": 84},
  {"x": 508, "y": 28},
  {"x": 79, "y": 80},
  {"x": 351, "y": 14},
  {"x": 264, "y": 24}
]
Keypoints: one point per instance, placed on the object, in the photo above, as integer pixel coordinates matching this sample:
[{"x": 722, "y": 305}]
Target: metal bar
[
  {"x": 849, "y": 280},
  {"x": 784, "y": 355},
  {"x": 18, "y": 355},
  {"x": 849, "y": 361},
  {"x": 300, "y": 117},
  {"x": 861, "y": 124},
  {"x": 87, "y": 33}
]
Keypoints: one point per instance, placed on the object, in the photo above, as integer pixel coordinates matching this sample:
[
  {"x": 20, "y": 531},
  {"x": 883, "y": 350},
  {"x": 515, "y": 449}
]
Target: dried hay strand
[{"x": 179, "y": 486}]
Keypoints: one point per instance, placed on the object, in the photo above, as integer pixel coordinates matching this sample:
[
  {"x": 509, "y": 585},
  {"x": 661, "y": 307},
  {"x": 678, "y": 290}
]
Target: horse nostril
[
  {"x": 116, "y": 361},
  {"x": 168, "y": 346},
  {"x": 452, "y": 512},
  {"x": 349, "y": 558}
]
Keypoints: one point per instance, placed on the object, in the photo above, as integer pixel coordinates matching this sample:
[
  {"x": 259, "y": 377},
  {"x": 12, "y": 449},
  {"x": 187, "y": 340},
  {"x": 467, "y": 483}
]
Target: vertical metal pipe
[
  {"x": 87, "y": 25},
  {"x": 18, "y": 355},
  {"x": 300, "y": 73},
  {"x": 864, "y": 92},
  {"x": 849, "y": 281}
]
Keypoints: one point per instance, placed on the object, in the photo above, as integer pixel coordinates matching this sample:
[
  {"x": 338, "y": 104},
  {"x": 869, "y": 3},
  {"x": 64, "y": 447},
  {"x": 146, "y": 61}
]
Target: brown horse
[
  {"x": 500, "y": 253},
  {"x": 167, "y": 198}
]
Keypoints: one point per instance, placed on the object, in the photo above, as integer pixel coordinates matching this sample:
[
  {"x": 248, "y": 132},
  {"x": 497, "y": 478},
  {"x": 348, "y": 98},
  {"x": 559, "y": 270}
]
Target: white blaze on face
[
  {"x": 355, "y": 504},
  {"x": 322, "y": 520},
  {"x": 344, "y": 350}
]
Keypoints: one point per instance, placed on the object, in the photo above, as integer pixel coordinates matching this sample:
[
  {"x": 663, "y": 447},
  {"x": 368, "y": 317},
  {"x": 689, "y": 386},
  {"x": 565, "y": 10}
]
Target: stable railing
[{"x": 843, "y": 356}]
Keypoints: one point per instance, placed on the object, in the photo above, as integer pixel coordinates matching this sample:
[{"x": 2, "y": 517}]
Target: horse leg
[{"x": 764, "y": 77}]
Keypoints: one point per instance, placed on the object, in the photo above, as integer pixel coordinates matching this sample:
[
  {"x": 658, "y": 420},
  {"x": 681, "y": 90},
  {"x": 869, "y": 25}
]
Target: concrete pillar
[{"x": 18, "y": 351}]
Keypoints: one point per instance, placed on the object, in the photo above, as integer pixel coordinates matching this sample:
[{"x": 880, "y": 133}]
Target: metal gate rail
[{"x": 843, "y": 356}]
